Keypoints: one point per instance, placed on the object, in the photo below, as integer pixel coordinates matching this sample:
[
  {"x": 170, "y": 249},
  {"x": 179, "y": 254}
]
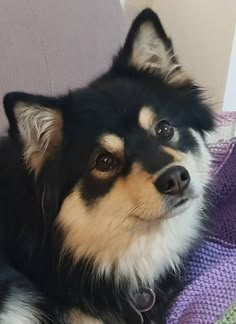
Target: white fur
[
  {"x": 18, "y": 308},
  {"x": 150, "y": 256},
  {"x": 175, "y": 138}
]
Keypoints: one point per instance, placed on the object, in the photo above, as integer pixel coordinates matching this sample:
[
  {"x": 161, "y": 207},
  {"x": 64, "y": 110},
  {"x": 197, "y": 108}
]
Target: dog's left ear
[
  {"x": 35, "y": 122},
  {"x": 147, "y": 47}
]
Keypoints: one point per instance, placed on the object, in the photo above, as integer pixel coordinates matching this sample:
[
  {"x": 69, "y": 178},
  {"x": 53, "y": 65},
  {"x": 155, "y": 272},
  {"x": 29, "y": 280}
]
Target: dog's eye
[
  {"x": 106, "y": 162},
  {"x": 164, "y": 130}
]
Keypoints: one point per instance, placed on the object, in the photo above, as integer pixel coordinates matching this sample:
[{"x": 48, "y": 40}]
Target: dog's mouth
[
  {"x": 172, "y": 211},
  {"x": 181, "y": 202},
  {"x": 178, "y": 208}
]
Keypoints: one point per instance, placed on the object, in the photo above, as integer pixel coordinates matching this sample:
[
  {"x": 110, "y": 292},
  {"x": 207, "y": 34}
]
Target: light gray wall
[{"x": 49, "y": 46}]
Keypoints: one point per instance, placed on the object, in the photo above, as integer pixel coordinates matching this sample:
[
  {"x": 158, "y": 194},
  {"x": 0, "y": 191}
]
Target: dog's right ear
[{"x": 36, "y": 121}]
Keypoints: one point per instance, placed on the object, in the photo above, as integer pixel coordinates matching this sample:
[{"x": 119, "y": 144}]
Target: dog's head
[{"x": 122, "y": 163}]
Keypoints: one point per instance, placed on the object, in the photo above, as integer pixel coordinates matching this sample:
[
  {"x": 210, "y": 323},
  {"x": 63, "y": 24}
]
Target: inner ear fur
[
  {"x": 38, "y": 126},
  {"x": 147, "y": 47}
]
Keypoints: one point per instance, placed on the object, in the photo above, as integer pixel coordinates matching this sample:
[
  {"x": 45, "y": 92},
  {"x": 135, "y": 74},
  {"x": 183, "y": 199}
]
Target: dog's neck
[
  {"x": 146, "y": 263},
  {"x": 84, "y": 286}
]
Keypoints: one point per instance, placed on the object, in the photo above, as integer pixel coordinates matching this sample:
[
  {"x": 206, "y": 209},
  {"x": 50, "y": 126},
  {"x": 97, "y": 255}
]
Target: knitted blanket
[{"x": 210, "y": 293}]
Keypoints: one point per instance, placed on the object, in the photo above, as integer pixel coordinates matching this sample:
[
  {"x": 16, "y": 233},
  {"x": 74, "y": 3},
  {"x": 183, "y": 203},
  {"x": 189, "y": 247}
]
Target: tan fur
[
  {"x": 177, "y": 155},
  {"x": 41, "y": 132},
  {"x": 147, "y": 118},
  {"x": 102, "y": 175},
  {"x": 107, "y": 230},
  {"x": 113, "y": 144},
  {"x": 77, "y": 317},
  {"x": 150, "y": 53}
]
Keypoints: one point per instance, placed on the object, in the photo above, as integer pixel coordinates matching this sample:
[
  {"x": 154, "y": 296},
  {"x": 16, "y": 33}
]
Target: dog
[{"x": 103, "y": 190}]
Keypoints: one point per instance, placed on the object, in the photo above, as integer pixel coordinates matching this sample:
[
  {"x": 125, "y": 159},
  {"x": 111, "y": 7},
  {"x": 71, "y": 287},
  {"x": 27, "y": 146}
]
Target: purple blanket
[{"x": 211, "y": 270}]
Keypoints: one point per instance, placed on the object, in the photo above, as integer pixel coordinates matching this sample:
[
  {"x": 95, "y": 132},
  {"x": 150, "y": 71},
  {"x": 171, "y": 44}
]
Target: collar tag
[{"x": 143, "y": 300}]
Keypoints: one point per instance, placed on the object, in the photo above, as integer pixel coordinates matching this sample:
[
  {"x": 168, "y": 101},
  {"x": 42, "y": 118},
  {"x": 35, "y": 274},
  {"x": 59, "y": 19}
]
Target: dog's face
[{"x": 123, "y": 159}]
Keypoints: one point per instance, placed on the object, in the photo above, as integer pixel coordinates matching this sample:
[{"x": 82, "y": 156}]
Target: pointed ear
[
  {"x": 36, "y": 122},
  {"x": 147, "y": 47}
]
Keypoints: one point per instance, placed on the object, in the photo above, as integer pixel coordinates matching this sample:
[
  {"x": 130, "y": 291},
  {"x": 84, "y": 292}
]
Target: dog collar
[{"x": 142, "y": 301}]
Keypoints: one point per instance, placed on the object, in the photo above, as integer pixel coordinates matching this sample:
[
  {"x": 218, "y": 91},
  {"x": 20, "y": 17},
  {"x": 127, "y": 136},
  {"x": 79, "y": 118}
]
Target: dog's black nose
[{"x": 173, "y": 181}]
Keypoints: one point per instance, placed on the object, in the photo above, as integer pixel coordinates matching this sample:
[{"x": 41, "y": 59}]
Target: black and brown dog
[{"x": 102, "y": 190}]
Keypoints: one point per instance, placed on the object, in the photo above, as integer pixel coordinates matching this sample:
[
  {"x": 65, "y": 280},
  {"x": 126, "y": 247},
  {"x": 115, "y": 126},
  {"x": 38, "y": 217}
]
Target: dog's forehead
[
  {"x": 120, "y": 123},
  {"x": 117, "y": 107}
]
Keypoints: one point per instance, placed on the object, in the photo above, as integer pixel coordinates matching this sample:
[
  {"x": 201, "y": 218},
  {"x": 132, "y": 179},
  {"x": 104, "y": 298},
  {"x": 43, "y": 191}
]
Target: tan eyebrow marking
[
  {"x": 174, "y": 153},
  {"x": 147, "y": 118},
  {"x": 112, "y": 143}
]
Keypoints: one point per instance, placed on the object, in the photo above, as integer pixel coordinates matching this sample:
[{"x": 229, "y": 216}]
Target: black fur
[{"x": 30, "y": 244}]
